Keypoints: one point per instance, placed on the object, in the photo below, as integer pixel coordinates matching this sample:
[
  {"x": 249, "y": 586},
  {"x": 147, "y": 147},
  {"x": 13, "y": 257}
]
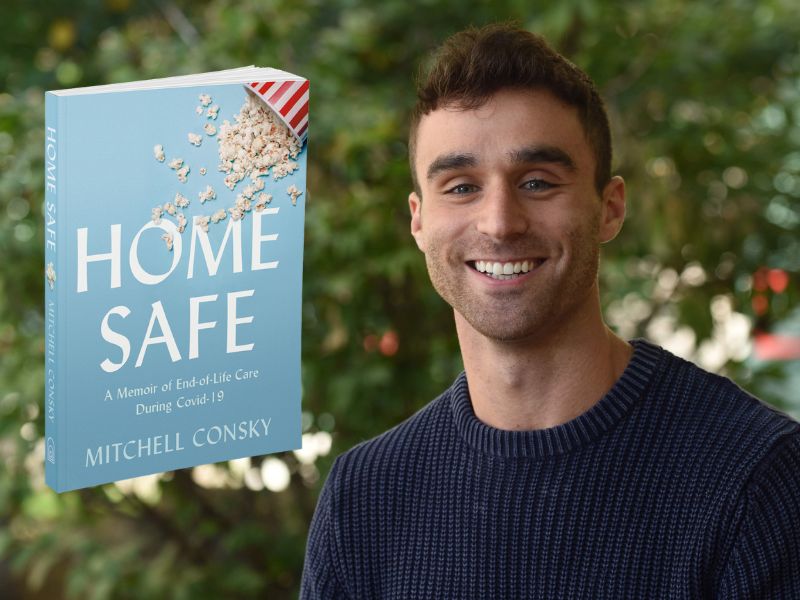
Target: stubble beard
[{"x": 540, "y": 308}]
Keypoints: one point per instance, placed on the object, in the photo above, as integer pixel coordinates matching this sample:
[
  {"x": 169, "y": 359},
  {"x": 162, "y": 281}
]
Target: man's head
[
  {"x": 514, "y": 211},
  {"x": 474, "y": 64}
]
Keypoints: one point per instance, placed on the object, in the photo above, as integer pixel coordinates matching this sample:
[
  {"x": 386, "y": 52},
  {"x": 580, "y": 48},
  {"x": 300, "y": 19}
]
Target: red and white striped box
[{"x": 289, "y": 99}]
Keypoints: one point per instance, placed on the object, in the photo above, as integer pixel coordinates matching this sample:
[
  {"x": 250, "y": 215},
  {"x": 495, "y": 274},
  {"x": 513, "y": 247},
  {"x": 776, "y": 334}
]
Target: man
[{"x": 564, "y": 462}]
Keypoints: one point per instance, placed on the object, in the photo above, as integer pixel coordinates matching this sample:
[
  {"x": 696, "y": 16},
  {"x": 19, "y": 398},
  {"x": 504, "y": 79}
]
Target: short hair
[{"x": 474, "y": 64}]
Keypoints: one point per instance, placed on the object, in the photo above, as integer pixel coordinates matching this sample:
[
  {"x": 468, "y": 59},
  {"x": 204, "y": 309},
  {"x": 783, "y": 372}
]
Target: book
[{"x": 174, "y": 220}]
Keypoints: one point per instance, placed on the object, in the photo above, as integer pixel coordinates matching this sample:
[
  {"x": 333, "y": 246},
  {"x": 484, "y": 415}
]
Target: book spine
[{"x": 55, "y": 275}]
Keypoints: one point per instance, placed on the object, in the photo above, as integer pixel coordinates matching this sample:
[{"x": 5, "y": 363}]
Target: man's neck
[{"x": 543, "y": 383}]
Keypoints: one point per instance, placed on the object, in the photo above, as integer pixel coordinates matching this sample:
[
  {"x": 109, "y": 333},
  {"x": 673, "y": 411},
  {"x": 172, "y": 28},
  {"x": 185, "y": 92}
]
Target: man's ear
[
  {"x": 415, "y": 205},
  {"x": 613, "y": 211}
]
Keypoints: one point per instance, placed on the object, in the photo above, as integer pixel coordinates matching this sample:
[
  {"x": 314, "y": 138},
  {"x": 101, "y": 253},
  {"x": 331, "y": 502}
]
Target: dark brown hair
[{"x": 474, "y": 64}]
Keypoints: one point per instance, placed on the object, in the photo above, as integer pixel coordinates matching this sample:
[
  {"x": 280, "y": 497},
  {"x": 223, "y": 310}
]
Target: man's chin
[{"x": 506, "y": 331}]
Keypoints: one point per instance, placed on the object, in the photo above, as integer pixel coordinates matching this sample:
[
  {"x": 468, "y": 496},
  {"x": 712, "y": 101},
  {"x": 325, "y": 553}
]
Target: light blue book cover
[{"x": 174, "y": 213}]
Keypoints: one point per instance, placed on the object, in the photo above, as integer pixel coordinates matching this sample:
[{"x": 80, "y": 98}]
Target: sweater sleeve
[
  {"x": 319, "y": 579},
  {"x": 765, "y": 560}
]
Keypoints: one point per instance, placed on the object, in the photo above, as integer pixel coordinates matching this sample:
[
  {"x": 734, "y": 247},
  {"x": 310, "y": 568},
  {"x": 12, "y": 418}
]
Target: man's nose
[{"x": 501, "y": 212}]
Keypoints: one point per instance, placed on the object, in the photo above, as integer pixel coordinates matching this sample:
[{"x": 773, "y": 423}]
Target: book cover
[{"x": 174, "y": 213}]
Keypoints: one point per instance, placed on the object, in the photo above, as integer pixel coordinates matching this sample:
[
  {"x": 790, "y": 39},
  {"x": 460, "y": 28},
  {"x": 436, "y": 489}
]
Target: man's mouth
[{"x": 505, "y": 269}]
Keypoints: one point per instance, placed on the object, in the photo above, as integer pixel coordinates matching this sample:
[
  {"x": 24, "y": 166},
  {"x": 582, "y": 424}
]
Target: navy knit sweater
[{"x": 676, "y": 484}]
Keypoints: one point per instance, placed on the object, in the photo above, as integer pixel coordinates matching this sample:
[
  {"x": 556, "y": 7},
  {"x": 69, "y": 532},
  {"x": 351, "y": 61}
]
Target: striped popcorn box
[{"x": 289, "y": 100}]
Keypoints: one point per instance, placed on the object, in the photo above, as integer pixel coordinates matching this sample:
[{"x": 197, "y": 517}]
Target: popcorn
[
  {"x": 50, "y": 273},
  {"x": 231, "y": 180},
  {"x": 156, "y": 215},
  {"x": 207, "y": 194},
  {"x": 294, "y": 193},
  {"x": 257, "y": 142},
  {"x": 242, "y": 203},
  {"x": 181, "y": 201},
  {"x": 202, "y": 222},
  {"x": 284, "y": 169},
  {"x": 263, "y": 200}
]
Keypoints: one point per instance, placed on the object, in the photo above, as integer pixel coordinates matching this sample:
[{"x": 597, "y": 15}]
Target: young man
[{"x": 564, "y": 462}]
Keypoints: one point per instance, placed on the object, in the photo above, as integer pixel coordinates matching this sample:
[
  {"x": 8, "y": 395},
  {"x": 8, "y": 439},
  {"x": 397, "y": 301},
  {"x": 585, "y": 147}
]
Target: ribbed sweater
[{"x": 675, "y": 484}]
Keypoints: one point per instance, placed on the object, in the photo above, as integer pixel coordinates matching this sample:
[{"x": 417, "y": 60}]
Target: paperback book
[{"x": 174, "y": 220}]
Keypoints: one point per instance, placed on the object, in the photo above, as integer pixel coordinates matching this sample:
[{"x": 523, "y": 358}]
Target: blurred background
[{"x": 705, "y": 106}]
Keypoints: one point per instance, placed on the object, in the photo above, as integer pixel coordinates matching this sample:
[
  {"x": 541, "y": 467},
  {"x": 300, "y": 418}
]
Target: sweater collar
[{"x": 584, "y": 428}]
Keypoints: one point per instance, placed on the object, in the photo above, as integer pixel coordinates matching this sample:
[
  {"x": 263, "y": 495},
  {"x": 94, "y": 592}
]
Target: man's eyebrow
[
  {"x": 543, "y": 154},
  {"x": 530, "y": 154},
  {"x": 448, "y": 162}
]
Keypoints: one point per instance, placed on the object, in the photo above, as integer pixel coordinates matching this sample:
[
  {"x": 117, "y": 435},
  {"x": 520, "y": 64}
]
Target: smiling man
[{"x": 564, "y": 462}]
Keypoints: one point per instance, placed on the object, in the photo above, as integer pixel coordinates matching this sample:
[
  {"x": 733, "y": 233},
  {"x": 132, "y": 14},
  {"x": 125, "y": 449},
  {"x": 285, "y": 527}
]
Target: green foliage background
[{"x": 705, "y": 104}]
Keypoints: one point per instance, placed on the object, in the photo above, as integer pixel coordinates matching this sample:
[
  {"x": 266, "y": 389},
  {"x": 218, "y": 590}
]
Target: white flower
[
  {"x": 170, "y": 208},
  {"x": 167, "y": 237},
  {"x": 210, "y": 129},
  {"x": 182, "y": 173},
  {"x": 205, "y": 99},
  {"x": 195, "y": 139},
  {"x": 199, "y": 110},
  {"x": 218, "y": 216},
  {"x": 236, "y": 214},
  {"x": 158, "y": 152},
  {"x": 212, "y": 112},
  {"x": 156, "y": 215},
  {"x": 203, "y": 171},
  {"x": 175, "y": 163},
  {"x": 181, "y": 222}
]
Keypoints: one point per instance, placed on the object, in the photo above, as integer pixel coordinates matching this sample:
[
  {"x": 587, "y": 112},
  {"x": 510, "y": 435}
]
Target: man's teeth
[{"x": 496, "y": 268}]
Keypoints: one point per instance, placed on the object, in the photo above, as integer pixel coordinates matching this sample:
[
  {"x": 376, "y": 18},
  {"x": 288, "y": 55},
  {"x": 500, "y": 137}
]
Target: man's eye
[
  {"x": 461, "y": 188},
  {"x": 537, "y": 185}
]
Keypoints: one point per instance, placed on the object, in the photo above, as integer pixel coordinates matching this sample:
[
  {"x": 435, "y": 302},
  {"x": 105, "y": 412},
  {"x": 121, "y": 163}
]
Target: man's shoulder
[
  {"x": 725, "y": 398},
  {"x": 717, "y": 413}
]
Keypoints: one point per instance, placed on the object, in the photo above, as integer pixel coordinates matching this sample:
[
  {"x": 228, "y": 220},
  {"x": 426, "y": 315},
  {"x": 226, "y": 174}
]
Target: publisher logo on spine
[{"x": 51, "y": 450}]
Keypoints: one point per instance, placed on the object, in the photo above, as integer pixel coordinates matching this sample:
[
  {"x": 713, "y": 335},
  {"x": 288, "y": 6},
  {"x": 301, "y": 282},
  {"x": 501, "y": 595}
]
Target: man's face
[{"x": 512, "y": 182}]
